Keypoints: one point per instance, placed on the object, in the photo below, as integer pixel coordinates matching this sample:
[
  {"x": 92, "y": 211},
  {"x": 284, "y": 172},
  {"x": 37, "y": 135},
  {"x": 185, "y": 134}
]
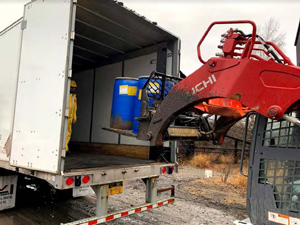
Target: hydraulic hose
[{"x": 262, "y": 41}]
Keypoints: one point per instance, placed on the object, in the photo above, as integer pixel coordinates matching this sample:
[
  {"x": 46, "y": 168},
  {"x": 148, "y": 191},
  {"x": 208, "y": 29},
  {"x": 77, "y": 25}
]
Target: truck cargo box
[{"x": 91, "y": 42}]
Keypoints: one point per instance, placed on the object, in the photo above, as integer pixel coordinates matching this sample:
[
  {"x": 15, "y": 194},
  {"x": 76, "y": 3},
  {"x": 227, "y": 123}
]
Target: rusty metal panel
[{"x": 181, "y": 132}]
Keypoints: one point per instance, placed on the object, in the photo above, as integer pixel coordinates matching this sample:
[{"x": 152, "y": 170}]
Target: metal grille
[
  {"x": 281, "y": 134},
  {"x": 284, "y": 178},
  {"x": 158, "y": 85}
]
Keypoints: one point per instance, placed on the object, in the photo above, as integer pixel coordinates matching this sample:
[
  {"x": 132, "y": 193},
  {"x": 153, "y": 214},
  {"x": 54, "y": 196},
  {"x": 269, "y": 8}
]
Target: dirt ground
[{"x": 198, "y": 202}]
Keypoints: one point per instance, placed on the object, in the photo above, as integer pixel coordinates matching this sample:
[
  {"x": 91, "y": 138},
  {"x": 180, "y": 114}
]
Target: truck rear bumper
[
  {"x": 106, "y": 175},
  {"x": 97, "y": 176}
]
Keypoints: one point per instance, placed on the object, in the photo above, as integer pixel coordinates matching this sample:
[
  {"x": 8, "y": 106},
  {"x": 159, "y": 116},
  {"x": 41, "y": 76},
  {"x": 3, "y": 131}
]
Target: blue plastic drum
[
  {"x": 124, "y": 97},
  {"x": 155, "y": 91}
]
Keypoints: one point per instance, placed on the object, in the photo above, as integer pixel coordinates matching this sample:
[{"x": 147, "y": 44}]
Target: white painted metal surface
[
  {"x": 169, "y": 62},
  {"x": 41, "y": 86},
  {"x": 8, "y": 187},
  {"x": 140, "y": 66},
  {"x": 105, "y": 78},
  {"x": 10, "y": 44}
]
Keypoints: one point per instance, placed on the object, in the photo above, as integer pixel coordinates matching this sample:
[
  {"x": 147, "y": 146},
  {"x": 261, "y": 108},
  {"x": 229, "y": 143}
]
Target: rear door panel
[{"x": 39, "y": 111}]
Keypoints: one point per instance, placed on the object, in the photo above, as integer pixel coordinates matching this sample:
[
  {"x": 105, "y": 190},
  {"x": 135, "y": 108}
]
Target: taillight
[
  {"x": 85, "y": 179},
  {"x": 167, "y": 169},
  {"x": 170, "y": 169},
  {"x": 69, "y": 181}
]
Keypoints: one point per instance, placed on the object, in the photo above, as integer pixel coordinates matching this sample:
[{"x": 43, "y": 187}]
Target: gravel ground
[{"x": 187, "y": 209}]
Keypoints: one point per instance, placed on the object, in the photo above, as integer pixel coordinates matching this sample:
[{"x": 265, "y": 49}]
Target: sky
[{"x": 188, "y": 19}]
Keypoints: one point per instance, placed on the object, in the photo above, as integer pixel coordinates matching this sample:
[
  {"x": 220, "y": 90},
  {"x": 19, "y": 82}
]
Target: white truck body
[
  {"x": 92, "y": 42},
  {"x": 39, "y": 118},
  {"x": 10, "y": 45}
]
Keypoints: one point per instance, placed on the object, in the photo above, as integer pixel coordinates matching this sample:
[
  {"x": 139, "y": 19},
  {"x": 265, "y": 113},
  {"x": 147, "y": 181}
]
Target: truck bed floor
[{"x": 78, "y": 160}]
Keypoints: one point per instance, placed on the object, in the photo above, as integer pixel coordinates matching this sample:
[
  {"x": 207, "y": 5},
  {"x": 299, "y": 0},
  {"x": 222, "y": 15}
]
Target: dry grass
[
  {"x": 226, "y": 159},
  {"x": 224, "y": 170},
  {"x": 215, "y": 193},
  {"x": 238, "y": 180},
  {"x": 204, "y": 161},
  {"x": 222, "y": 164},
  {"x": 184, "y": 161}
]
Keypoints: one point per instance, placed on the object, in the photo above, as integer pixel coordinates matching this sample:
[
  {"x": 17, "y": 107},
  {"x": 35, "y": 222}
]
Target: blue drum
[{"x": 124, "y": 96}]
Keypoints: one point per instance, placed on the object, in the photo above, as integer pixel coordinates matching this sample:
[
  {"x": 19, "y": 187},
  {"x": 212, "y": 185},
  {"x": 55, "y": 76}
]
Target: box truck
[{"x": 91, "y": 42}]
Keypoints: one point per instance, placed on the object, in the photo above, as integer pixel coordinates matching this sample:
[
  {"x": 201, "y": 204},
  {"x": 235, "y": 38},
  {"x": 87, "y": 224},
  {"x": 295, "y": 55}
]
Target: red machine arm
[{"x": 269, "y": 87}]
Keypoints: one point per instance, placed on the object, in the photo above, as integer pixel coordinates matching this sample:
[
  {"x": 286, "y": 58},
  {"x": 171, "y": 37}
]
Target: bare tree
[{"x": 270, "y": 31}]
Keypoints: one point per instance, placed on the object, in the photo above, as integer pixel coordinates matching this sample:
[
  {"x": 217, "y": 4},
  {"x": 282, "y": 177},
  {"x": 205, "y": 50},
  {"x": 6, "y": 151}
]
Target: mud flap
[{"x": 8, "y": 187}]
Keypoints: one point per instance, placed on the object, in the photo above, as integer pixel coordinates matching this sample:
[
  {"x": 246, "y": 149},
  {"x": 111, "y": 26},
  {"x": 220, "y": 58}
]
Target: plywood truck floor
[
  {"x": 78, "y": 160},
  {"x": 135, "y": 151}
]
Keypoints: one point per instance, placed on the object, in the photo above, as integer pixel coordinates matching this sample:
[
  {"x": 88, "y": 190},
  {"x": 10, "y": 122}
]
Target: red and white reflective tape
[{"x": 117, "y": 215}]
